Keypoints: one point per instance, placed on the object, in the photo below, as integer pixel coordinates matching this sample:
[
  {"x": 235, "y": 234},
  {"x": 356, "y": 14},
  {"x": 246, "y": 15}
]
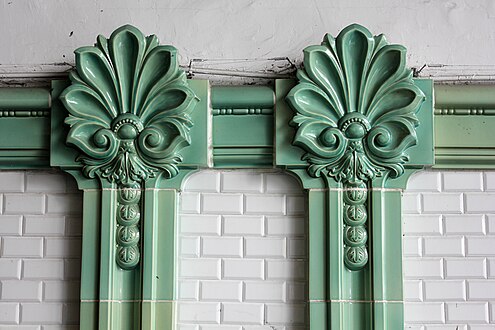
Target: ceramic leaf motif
[
  {"x": 129, "y": 108},
  {"x": 355, "y": 113},
  {"x": 129, "y": 114}
]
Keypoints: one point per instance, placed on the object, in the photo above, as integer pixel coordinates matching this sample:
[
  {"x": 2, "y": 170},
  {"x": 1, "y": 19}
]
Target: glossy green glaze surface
[
  {"x": 362, "y": 124},
  {"x": 464, "y": 121},
  {"x": 129, "y": 115},
  {"x": 242, "y": 126},
  {"x": 129, "y": 108},
  {"x": 241, "y": 97},
  {"x": 128, "y": 128},
  {"x": 355, "y": 105},
  {"x": 353, "y": 127},
  {"x": 24, "y": 119},
  {"x": 31, "y": 100}
]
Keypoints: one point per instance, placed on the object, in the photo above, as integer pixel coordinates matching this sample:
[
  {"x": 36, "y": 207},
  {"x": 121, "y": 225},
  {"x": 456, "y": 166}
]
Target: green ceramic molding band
[
  {"x": 242, "y": 126},
  {"x": 459, "y": 108},
  {"x": 24, "y": 122},
  {"x": 464, "y": 121},
  {"x": 353, "y": 127},
  {"x": 23, "y": 98},
  {"x": 464, "y": 100},
  {"x": 244, "y": 99}
]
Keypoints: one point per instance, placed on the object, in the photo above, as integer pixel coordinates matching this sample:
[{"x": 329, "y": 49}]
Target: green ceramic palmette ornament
[
  {"x": 355, "y": 112},
  {"x": 129, "y": 115}
]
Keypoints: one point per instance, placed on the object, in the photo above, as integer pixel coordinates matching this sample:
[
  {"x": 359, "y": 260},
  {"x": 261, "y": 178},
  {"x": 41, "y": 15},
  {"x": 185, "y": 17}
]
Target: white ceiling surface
[{"x": 458, "y": 33}]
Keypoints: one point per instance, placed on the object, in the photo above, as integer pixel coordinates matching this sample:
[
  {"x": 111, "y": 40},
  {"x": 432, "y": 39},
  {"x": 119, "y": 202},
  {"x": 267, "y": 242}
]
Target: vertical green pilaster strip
[
  {"x": 160, "y": 214},
  {"x": 361, "y": 121},
  {"x": 349, "y": 290},
  {"x": 120, "y": 289},
  {"x": 387, "y": 258},
  {"x": 108, "y": 276},
  {"x": 336, "y": 271},
  {"x": 90, "y": 259},
  {"x": 317, "y": 205},
  {"x": 129, "y": 110}
]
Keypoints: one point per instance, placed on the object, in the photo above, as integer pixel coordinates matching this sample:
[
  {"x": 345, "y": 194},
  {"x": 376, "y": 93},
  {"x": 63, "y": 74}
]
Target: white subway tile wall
[
  {"x": 449, "y": 250},
  {"x": 242, "y": 252},
  {"x": 243, "y": 255},
  {"x": 40, "y": 251}
]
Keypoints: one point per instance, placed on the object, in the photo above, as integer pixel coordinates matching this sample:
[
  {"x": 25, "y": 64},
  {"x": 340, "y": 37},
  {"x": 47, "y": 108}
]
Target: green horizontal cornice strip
[
  {"x": 241, "y": 112},
  {"x": 242, "y": 132},
  {"x": 464, "y": 121},
  {"x": 27, "y": 99},
  {"x": 245, "y": 98},
  {"x": 464, "y": 99},
  {"x": 25, "y": 127}
]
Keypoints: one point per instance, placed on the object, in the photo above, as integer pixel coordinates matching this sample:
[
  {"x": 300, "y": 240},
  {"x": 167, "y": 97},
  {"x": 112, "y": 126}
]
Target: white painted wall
[
  {"x": 40, "y": 251},
  {"x": 447, "y": 32}
]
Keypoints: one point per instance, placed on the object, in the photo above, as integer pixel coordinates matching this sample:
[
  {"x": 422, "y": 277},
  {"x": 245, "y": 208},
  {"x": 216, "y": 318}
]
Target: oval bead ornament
[
  {"x": 355, "y": 110},
  {"x": 128, "y": 257},
  {"x": 355, "y": 215},
  {"x": 129, "y": 195},
  {"x": 355, "y": 131},
  {"x": 128, "y": 219},
  {"x": 355, "y": 236},
  {"x": 128, "y": 214},
  {"x": 355, "y": 258},
  {"x": 128, "y": 235},
  {"x": 355, "y": 196}
]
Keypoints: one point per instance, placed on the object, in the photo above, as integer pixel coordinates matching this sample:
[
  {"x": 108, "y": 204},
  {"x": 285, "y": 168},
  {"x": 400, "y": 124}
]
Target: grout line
[
  {"x": 129, "y": 301},
  {"x": 483, "y": 181},
  {"x": 442, "y": 183},
  {"x": 24, "y": 178},
  {"x": 356, "y": 189},
  {"x": 358, "y": 301},
  {"x": 209, "y": 130},
  {"x": 117, "y": 189}
]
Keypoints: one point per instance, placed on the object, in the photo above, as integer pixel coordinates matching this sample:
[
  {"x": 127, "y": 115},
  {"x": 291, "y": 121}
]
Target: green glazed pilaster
[
  {"x": 160, "y": 214},
  {"x": 142, "y": 298},
  {"x": 371, "y": 298},
  {"x": 386, "y": 244},
  {"x": 386, "y": 252},
  {"x": 129, "y": 127},
  {"x": 90, "y": 266},
  {"x": 360, "y": 126},
  {"x": 349, "y": 291},
  {"x": 318, "y": 256},
  {"x": 120, "y": 289},
  {"x": 110, "y": 296}
]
